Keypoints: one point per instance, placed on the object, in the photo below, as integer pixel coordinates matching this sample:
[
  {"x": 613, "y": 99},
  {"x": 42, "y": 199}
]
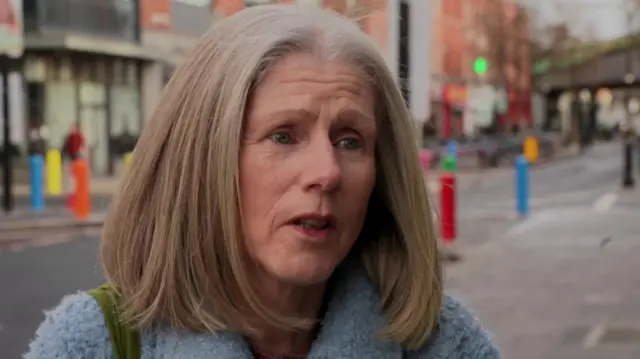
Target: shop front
[
  {"x": 100, "y": 94},
  {"x": 82, "y": 69},
  {"x": 518, "y": 116},
  {"x": 454, "y": 99}
]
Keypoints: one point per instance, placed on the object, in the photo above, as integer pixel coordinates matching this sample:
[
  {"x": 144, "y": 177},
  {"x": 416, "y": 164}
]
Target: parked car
[
  {"x": 497, "y": 150},
  {"x": 465, "y": 150}
]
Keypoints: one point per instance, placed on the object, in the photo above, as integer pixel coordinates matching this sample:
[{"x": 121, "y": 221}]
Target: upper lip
[{"x": 314, "y": 216}]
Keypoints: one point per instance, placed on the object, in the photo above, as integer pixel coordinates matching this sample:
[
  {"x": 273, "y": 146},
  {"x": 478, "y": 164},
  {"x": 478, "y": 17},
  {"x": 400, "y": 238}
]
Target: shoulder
[
  {"x": 74, "y": 329},
  {"x": 459, "y": 335}
]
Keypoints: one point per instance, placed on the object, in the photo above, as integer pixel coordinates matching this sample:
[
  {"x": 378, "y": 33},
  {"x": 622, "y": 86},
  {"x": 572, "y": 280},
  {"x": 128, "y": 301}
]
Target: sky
[{"x": 594, "y": 19}]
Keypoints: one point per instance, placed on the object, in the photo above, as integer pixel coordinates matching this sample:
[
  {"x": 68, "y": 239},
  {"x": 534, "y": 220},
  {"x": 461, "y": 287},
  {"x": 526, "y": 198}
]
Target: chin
[{"x": 303, "y": 275}]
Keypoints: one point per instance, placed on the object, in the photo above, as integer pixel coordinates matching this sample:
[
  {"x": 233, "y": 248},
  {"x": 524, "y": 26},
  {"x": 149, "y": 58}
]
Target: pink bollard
[{"x": 425, "y": 159}]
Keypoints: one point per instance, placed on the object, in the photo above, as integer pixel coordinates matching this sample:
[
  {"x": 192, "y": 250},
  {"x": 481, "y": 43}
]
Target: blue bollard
[
  {"x": 522, "y": 186},
  {"x": 452, "y": 148},
  {"x": 37, "y": 185}
]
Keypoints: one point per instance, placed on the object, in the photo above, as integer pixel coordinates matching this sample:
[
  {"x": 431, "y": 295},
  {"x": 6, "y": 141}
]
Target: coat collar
[{"x": 349, "y": 329}]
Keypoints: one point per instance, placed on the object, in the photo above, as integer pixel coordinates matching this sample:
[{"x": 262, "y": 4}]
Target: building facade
[
  {"x": 101, "y": 64},
  {"x": 168, "y": 30},
  {"x": 467, "y": 102},
  {"x": 81, "y": 66}
]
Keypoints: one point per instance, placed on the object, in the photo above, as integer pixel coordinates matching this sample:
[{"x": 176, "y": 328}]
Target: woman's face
[{"x": 307, "y": 168}]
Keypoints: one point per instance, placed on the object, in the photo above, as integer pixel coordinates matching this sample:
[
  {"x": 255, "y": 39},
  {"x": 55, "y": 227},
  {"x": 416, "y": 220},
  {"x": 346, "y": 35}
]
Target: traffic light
[{"x": 480, "y": 66}]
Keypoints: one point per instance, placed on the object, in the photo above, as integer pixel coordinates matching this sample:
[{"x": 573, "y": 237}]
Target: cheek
[{"x": 261, "y": 188}]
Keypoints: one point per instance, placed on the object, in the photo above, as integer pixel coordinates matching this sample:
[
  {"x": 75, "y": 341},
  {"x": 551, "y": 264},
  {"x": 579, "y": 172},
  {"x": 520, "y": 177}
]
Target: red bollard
[
  {"x": 82, "y": 195},
  {"x": 448, "y": 207},
  {"x": 71, "y": 192}
]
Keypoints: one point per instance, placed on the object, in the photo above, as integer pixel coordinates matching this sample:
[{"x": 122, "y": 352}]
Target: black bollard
[
  {"x": 628, "y": 181},
  {"x": 7, "y": 155}
]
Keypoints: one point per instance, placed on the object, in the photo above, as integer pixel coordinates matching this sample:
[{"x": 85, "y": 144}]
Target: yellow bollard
[
  {"x": 531, "y": 151},
  {"x": 127, "y": 160},
  {"x": 54, "y": 172}
]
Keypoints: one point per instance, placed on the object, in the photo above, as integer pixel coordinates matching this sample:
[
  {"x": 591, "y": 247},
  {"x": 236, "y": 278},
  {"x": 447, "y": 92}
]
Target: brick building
[{"x": 464, "y": 30}]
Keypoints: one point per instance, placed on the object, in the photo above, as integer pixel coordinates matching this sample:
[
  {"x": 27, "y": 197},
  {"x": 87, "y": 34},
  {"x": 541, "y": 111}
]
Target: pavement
[
  {"x": 561, "y": 283},
  {"x": 55, "y": 215},
  {"x": 99, "y": 186}
]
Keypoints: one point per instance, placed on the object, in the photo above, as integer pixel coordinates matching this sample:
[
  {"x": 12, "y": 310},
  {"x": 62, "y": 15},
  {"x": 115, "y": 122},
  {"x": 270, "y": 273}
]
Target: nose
[{"x": 322, "y": 169}]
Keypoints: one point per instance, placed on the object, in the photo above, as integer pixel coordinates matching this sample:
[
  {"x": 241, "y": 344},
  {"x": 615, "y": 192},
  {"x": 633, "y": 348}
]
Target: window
[
  {"x": 97, "y": 17},
  {"x": 196, "y": 3},
  {"x": 250, "y": 3}
]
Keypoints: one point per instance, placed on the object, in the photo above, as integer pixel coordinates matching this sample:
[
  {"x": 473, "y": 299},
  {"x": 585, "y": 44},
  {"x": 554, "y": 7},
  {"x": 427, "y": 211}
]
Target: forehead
[{"x": 302, "y": 80}]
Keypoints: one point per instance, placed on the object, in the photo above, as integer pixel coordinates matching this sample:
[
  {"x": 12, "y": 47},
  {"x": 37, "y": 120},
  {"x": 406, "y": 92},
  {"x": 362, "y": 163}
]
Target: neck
[{"x": 303, "y": 302}]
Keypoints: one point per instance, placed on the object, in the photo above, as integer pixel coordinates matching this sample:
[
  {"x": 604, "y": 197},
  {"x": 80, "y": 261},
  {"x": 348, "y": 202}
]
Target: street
[
  {"x": 36, "y": 279},
  {"x": 561, "y": 283}
]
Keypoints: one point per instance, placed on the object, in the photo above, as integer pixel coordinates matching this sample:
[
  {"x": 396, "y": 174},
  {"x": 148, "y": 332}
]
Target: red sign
[
  {"x": 155, "y": 14},
  {"x": 11, "y": 39},
  {"x": 7, "y": 14},
  {"x": 455, "y": 94}
]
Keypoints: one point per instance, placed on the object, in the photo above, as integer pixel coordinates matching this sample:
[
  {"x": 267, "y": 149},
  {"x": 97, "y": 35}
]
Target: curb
[{"x": 52, "y": 223}]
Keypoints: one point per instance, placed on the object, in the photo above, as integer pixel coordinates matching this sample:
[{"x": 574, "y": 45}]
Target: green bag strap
[{"x": 124, "y": 339}]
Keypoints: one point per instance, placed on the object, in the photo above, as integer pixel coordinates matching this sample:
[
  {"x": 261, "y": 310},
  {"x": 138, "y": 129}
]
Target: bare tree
[
  {"x": 491, "y": 41},
  {"x": 504, "y": 42}
]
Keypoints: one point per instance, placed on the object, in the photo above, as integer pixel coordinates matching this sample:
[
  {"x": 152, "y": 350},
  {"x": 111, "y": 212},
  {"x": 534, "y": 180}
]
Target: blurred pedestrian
[
  {"x": 73, "y": 143},
  {"x": 38, "y": 140},
  {"x": 275, "y": 208}
]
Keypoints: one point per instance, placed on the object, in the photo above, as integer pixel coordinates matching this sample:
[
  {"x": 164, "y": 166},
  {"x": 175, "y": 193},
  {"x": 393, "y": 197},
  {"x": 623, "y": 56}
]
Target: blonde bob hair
[{"x": 170, "y": 239}]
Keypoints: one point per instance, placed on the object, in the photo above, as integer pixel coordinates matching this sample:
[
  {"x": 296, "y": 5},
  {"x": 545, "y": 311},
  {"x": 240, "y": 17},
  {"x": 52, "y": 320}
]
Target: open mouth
[{"x": 314, "y": 224}]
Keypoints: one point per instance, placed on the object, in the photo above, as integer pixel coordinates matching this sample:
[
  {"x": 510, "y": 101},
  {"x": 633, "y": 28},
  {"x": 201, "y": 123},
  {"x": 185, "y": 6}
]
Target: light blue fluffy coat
[{"x": 76, "y": 329}]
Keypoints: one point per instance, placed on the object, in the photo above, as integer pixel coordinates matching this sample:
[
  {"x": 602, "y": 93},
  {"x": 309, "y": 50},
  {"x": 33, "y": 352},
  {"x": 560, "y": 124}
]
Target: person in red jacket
[{"x": 74, "y": 143}]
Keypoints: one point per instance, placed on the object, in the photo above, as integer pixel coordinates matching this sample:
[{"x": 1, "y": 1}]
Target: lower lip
[{"x": 313, "y": 234}]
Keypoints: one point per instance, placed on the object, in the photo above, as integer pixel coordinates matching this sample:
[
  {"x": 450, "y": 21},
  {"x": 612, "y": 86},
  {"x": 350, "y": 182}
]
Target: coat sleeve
[{"x": 75, "y": 329}]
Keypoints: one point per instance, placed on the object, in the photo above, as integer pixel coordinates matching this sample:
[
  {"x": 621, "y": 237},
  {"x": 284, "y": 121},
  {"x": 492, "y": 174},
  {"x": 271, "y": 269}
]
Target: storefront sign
[
  {"x": 455, "y": 94},
  {"x": 11, "y": 30}
]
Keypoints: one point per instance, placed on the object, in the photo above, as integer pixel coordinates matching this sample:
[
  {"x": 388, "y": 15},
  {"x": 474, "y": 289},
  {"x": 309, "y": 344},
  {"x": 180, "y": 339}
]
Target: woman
[{"x": 275, "y": 208}]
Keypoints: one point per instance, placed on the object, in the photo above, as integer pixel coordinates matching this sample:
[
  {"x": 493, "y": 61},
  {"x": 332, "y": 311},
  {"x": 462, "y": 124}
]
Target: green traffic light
[{"x": 480, "y": 65}]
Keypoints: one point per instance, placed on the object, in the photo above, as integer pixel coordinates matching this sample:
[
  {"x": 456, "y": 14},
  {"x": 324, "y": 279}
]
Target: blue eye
[
  {"x": 282, "y": 138},
  {"x": 349, "y": 143}
]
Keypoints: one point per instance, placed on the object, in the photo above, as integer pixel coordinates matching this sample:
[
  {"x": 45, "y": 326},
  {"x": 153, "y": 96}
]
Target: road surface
[{"x": 35, "y": 279}]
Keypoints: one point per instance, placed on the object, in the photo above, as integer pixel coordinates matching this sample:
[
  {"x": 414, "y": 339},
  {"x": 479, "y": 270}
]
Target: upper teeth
[{"x": 312, "y": 223}]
